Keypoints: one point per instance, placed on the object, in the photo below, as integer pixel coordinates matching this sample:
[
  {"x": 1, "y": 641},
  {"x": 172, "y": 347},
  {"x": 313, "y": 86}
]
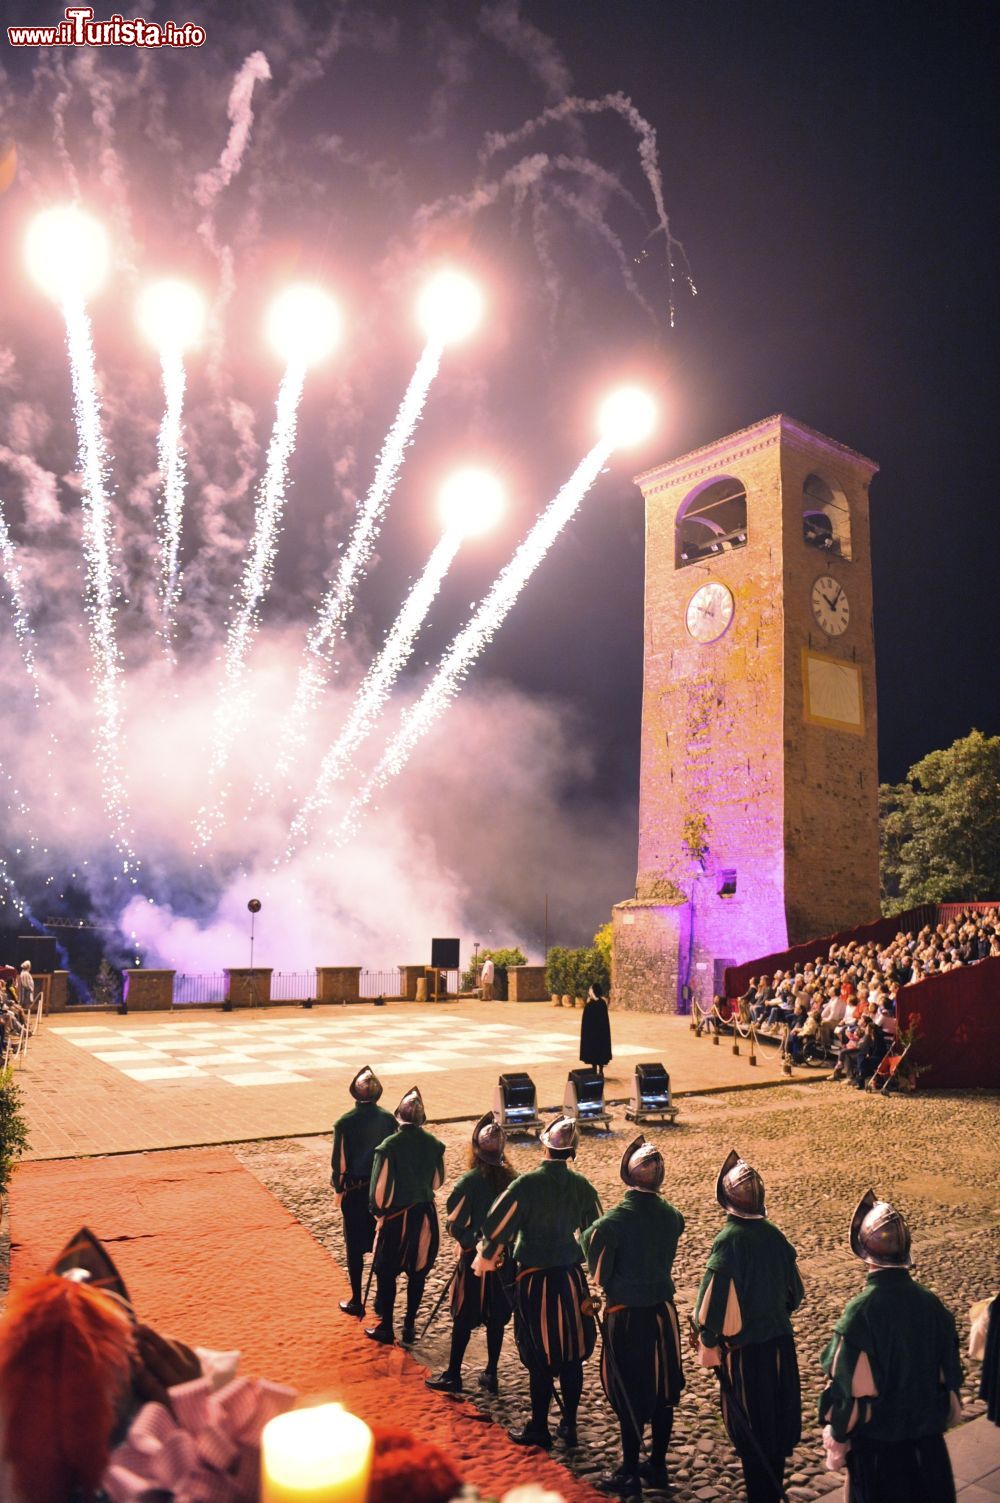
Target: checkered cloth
[{"x": 207, "y": 1451}]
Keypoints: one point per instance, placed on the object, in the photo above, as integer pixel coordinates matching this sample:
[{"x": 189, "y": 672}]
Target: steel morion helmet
[
  {"x": 410, "y": 1111},
  {"x": 561, "y": 1136},
  {"x": 879, "y": 1234},
  {"x": 366, "y": 1085},
  {"x": 642, "y": 1166},
  {"x": 739, "y": 1188},
  {"x": 488, "y": 1140}
]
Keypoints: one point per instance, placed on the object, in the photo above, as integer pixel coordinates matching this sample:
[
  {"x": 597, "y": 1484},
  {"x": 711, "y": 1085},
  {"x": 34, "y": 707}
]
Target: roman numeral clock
[{"x": 758, "y": 787}]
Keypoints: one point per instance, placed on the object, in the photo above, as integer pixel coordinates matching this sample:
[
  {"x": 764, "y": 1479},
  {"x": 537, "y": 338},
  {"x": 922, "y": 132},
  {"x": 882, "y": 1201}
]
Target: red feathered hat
[{"x": 65, "y": 1359}]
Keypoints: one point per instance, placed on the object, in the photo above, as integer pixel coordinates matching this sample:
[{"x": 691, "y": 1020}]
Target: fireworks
[
  {"x": 303, "y": 325},
  {"x": 10, "y": 569},
  {"x": 232, "y": 709},
  {"x": 485, "y": 621},
  {"x": 172, "y": 317},
  {"x": 471, "y": 502},
  {"x": 67, "y": 254}
]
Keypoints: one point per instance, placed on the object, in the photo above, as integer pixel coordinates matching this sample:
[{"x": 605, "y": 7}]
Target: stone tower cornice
[{"x": 726, "y": 452}]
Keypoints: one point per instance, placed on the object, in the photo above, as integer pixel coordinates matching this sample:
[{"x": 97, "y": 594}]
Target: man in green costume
[
  {"x": 750, "y": 1288},
  {"x": 356, "y": 1135},
  {"x": 406, "y": 1170},
  {"x": 630, "y": 1253},
  {"x": 894, "y": 1374},
  {"x": 540, "y": 1215}
]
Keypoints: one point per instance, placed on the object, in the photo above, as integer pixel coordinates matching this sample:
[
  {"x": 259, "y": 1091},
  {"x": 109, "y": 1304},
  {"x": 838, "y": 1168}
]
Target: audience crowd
[{"x": 844, "y": 1005}]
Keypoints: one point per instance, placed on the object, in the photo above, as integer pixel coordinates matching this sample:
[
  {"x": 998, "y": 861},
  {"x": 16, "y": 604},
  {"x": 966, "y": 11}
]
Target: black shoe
[
  {"x": 380, "y": 1333},
  {"x": 623, "y": 1484},
  {"x": 352, "y": 1307},
  {"x": 487, "y": 1380},
  {"x": 445, "y": 1383},
  {"x": 409, "y": 1335},
  {"x": 566, "y": 1431},
  {"x": 655, "y": 1473},
  {"x": 529, "y": 1436}
]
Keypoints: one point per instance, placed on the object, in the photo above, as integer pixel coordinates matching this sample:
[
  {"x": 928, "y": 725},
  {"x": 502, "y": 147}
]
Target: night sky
[{"x": 826, "y": 169}]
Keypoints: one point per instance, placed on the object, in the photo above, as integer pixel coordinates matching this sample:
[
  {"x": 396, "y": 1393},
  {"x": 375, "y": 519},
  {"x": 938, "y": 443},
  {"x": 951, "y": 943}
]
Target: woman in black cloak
[{"x": 595, "y": 1030}]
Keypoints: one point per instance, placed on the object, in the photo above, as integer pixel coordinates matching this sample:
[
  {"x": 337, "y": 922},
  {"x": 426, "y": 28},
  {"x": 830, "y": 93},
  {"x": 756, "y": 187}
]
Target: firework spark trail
[
  {"x": 11, "y": 570},
  {"x": 9, "y": 893},
  {"x": 336, "y": 604},
  {"x": 258, "y": 572},
  {"x": 648, "y": 156},
  {"x": 97, "y": 544},
  {"x": 171, "y": 458},
  {"x": 476, "y": 634},
  {"x": 377, "y": 683}
]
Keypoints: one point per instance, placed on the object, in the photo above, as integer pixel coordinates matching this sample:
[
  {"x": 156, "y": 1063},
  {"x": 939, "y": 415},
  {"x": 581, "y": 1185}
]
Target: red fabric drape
[{"x": 958, "y": 1025}]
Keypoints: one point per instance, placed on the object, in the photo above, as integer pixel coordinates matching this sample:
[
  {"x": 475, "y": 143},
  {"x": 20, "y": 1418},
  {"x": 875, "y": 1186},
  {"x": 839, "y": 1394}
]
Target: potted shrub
[
  {"x": 13, "y": 1128},
  {"x": 555, "y": 973}
]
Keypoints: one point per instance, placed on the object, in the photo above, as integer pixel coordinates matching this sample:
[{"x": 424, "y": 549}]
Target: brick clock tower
[{"x": 758, "y": 797}]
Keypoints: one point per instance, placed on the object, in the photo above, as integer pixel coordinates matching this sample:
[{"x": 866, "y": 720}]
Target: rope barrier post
[{"x": 753, "y": 1044}]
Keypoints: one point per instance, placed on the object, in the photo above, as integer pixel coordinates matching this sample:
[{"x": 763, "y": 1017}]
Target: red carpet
[{"x": 209, "y": 1256}]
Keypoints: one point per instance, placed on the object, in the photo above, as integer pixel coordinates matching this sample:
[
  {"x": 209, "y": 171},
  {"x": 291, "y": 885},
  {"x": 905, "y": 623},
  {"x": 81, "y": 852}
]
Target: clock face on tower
[
  {"x": 709, "y": 612},
  {"x": 830, "y": 605}
]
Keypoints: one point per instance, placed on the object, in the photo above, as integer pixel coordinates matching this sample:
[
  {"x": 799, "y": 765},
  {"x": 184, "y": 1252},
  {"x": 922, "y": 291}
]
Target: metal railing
[
  {"x": 197, "y": 990},
  {"x": 379, "y": 983}
]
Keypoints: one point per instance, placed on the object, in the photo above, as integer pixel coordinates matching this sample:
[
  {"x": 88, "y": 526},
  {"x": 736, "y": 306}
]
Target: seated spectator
[{"x": 803, "y": 1035}]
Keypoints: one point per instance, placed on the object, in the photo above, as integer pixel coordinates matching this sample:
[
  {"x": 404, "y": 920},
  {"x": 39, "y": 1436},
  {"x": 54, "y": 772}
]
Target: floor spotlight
[
  {"x": 584, "y": 1098},
  {"x": 650, "y": 1100},
  {"x": 515, "y": 1104}
]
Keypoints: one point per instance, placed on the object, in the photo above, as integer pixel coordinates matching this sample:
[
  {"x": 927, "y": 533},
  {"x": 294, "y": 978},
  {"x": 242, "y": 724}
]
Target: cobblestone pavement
[{"x": 818, "y": 1147}]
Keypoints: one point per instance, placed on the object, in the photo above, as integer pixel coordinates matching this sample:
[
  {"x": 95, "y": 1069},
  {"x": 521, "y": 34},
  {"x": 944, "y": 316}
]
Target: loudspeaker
[
  {"x": 40, "y": 949},
  {"x": 444, "y": 954}
]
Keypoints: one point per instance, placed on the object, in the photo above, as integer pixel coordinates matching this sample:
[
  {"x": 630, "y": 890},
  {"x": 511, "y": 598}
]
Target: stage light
[
  {"x": 303, "y": 323},
  {"x": 584, "y": 1098},
  {"x": 515, "y": 1103},
  {"x": 171, "y": 315},
  {"x": 471, "y": 501},
  {"x": 627, "y": 416},
  {"x": 67, "y": 252},
  {"x": 650, "y": 1099},
  {"x": 450, "y": 307}
]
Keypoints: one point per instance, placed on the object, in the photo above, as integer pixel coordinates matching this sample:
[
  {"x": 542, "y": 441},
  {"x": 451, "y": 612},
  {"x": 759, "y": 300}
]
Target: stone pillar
[
  {"x": 148, "y": 991},
  {"x": 648, "y": 949},
  {"x": 246, "y": 987},
  {"x": 408, "y": 976},
  {"x": 526, "y": 983},
  {"x": 338, "y": 983},
  {"x": 57, "y": 992}
]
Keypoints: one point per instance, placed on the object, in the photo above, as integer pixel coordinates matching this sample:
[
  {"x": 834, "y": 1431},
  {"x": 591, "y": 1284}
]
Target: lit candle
[{"x": 318, "y": 1455}]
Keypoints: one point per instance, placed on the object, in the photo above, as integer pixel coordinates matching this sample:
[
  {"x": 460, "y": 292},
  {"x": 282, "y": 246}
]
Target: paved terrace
[{"x": 100, "y": 1083}]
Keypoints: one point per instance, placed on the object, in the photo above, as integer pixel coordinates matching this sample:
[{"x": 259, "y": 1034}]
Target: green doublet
[
  {"x": 468, "y": 1204},
  {"x": 406, "y": 1170},
  {"x": 631, "y": 1249},
  {"x": 540, "y": 1214},
  {"x": 751, "y": 1285},
  {"x": 356, "y": 1135},
  {"x": 911, "y": 1345}
]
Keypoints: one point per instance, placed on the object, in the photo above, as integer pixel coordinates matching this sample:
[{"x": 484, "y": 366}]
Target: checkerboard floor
[{"x": 291, "y": 1050}]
